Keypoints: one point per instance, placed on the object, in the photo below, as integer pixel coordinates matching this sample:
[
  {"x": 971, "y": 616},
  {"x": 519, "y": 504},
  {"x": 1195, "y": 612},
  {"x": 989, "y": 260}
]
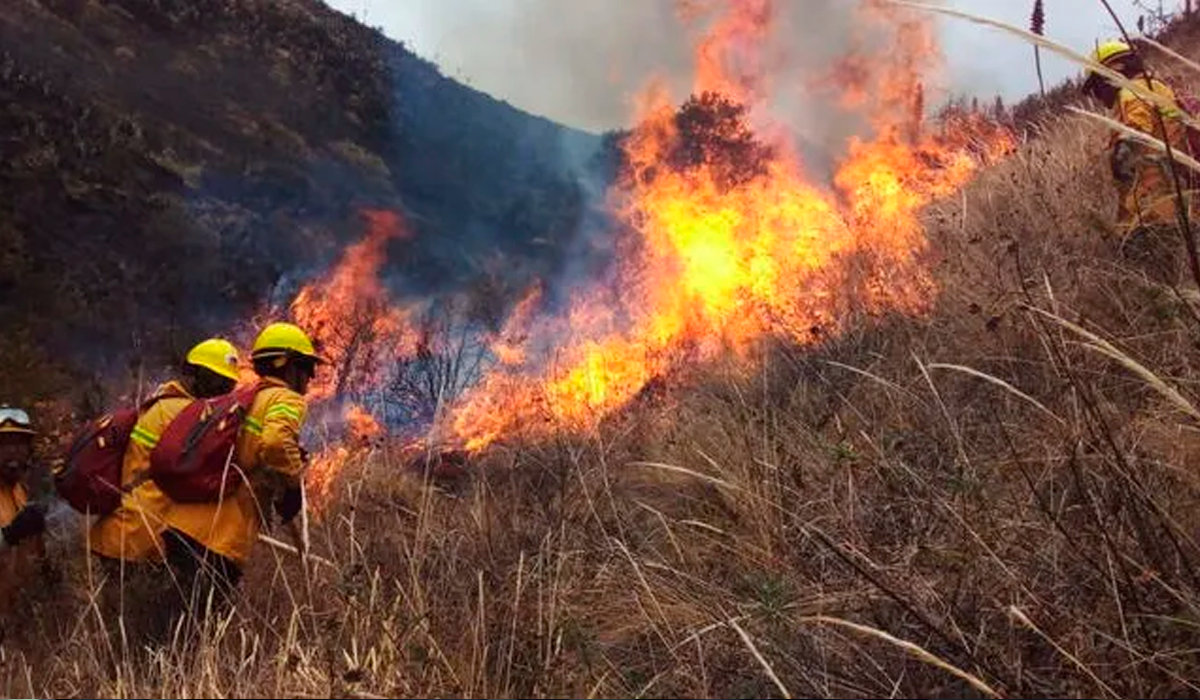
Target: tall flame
[
  {"x": 723, "y": 237},
  {"x": 358, "y": 328},
  {"x": 730, "y": 246},
  {"x": 350, "y": 315}
]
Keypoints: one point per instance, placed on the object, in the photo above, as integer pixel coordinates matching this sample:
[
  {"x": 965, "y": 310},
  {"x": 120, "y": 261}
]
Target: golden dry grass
[{"x": 1000, "y": 498}]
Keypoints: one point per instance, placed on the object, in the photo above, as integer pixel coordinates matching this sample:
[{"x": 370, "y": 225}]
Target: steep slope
[{"x": 167, "y": 165}]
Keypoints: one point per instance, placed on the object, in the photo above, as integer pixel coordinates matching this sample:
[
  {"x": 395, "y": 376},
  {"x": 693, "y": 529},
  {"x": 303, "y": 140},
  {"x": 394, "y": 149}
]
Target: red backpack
[
  {"x": 193, "y": 461},
  {"x": 89, "y": 479}
]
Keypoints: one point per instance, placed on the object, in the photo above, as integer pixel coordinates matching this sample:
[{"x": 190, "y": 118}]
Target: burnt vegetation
[{"x": 712, "y": 131}]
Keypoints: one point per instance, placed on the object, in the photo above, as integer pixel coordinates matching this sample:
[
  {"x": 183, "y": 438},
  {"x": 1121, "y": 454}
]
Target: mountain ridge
[{"x": 178, "y": 161}]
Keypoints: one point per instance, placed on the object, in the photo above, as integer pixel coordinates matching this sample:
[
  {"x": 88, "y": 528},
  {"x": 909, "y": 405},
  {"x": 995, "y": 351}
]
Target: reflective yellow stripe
[
  {"x": 144, "y": 437},
  {"x": 143, "y": 441},
  {"x": 253, "y": 425},
  {"x": 285, "y": 410}
]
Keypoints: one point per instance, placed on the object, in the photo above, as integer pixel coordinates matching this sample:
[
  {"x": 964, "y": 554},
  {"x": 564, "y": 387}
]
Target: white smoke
[{"x": 580, "y": 61}]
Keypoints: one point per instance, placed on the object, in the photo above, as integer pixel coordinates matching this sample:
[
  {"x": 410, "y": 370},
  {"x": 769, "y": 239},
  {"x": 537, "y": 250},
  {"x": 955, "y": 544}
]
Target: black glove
[
  {"x": 30, "y": 522},
  {"x": 288, "y": 504},
  {"x": 1121, "y": 161},
  {"x": 50, "y": 574}
]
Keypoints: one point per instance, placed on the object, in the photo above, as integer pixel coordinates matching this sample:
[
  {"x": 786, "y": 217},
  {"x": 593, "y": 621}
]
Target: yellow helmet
[
  {"x": 216, "y": 355},
  {"x": 1110, "y": 50},
  {"x": 284, "y": 338},
  {"x": 15, "y": 420}
]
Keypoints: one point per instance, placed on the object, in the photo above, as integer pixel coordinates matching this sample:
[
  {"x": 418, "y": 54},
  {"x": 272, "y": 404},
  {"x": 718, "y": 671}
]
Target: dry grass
[{"x": 1000, "y": 499}]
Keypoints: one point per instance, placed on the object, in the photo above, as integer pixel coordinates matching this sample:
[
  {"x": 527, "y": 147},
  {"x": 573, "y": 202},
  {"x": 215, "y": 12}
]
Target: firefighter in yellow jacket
[
  {"x": 208, "y": 544},
  {"x": 132, "y": 532},
  {"x": 21, "y": 522},
  {"x": 1147, "y": 210}
]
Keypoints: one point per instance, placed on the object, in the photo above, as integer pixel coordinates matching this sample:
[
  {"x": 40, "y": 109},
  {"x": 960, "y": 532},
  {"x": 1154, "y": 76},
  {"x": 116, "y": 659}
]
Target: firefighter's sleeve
[
  {"x": 1138, "y": 114},
  {"x": 281, "y": 437}
]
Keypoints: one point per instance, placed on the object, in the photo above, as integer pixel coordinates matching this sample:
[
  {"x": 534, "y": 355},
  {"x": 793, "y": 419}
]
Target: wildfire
[
  {"x": 361, "y": 430},
  {"x": 351, "y": 316},
  {"x": 730, "y": 242},
  {"x": 361, "y": 425},
  {"x": 357, "y": 327},
  {"x": 724, "y": 240}
]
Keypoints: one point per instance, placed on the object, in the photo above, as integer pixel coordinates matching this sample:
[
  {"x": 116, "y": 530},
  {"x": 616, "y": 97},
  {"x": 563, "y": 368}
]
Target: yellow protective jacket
[
  {"x": 12, "y": 500},
  {"x": 1147, "y": 194},
  {"x": 268, "y": 455},
  {"x": 133, "y": 531},
  {"x": 14, "y": 562}
]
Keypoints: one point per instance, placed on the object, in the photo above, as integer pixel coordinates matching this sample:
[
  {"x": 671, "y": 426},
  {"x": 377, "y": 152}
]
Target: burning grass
[{"x": 862, "y": 518}]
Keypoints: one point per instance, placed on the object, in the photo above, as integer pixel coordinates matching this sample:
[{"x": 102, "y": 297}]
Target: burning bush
[{"x": 712, "y": 133}]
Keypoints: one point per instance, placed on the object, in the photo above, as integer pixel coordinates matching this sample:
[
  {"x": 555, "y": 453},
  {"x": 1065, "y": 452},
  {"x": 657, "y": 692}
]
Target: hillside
[{"x": 169, "y": 166}]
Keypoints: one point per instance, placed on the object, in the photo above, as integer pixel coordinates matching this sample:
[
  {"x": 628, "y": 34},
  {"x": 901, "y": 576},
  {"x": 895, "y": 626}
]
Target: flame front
[
  {"x": 357, "y": 326},
  {"x": 723, "y": 238},
  {"x": 350, "y": 315},
  {"x": 729, "y": 242},
  {"x": 361, "y": 432}
]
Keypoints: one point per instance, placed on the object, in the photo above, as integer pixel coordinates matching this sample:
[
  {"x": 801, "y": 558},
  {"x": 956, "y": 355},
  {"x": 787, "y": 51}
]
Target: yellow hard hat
[
  {"x": 217, "y": 355},
  {"x": 1110, "y": 50},
  {"x": 15, "y": 420},
  {"x": 284, "y": 338}
]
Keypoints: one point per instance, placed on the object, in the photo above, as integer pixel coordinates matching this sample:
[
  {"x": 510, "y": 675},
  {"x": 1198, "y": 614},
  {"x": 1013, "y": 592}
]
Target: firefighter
[
  {"x": 22, "y": 521},
  {"x": 1147, "y": 210},
  {"x": 208, "y": 544},
  {"x": 127, "y": 542}
]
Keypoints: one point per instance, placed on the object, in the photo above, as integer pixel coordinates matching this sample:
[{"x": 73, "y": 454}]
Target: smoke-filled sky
[{"x": 580, "y": 61}]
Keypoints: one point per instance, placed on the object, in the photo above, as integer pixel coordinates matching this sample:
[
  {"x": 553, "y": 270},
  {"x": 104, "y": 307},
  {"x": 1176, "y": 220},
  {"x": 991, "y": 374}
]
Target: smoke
[
  {"x": 585, "y": 63},
  {"x": 577, "y": 62}
]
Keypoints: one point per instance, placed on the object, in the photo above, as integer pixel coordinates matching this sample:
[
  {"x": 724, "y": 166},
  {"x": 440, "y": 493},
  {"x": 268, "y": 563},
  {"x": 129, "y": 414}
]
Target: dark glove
[
  {"x": 288, "y": 504},
  {"x": 1121, "y": 161},
  {"x": 50, "y": 574},
  {"x": 30, "y": 522}
]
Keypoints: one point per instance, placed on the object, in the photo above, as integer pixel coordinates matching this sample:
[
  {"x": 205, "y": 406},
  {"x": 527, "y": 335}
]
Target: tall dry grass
[{"x": 997, "y": 500}]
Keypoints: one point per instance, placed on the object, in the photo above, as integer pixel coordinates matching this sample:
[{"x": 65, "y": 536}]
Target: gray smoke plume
[
  {"x": 578, "y": 62},
  {"x": 584, "y": 63}
]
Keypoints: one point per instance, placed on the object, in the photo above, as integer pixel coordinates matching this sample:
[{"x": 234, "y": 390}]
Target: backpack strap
[
  {"x": 245, "y": 401},
  {"x": 168, "y": 391}
]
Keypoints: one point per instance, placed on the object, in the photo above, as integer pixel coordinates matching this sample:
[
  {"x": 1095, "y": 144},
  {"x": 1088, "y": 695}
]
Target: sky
[{"x": 583, "y": 67}]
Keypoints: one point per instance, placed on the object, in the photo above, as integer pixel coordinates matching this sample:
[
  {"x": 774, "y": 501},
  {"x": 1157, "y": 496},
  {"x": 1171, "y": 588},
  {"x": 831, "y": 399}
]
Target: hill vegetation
[{"x": 167, "y": 165}]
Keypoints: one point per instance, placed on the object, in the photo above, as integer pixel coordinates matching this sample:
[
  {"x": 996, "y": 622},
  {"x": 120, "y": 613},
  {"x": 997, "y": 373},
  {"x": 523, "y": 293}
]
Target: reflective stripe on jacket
[
  {"x": 133, "y": 531},
  {"x": 1148, "y": 197},
  {"x": 268, "y": 450}
]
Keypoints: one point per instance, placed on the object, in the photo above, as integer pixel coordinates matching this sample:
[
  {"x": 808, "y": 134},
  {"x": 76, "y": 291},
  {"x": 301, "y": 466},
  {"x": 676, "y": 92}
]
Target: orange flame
[
  {"x": 725, "y": 241},
  {"x": 350, "y": 315},
  {"x": 361, "y": 425},
  {"x": 323, "y": 470},
  {"x": 508, "y": 345},
  {"x": 729, "y": 60},
  {"x": 724, "y": 251},
  {"x": 355, "y": 325},
  {"x": 361, "y": 429}
]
